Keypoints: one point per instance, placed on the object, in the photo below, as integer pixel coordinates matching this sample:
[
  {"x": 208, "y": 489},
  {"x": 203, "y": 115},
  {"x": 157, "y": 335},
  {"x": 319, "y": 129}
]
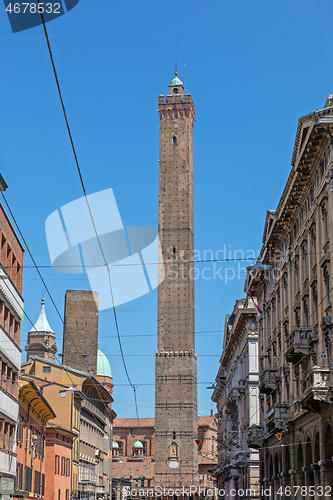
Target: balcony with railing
[
  {"x": 255, "y": 436},
  {"x": 241, "y": 460},
  {"x": 95, "y": 411},
  {"x": 241, "y": 385},
  {"x": 317, "y": 384},
  {"x": 277, "y": 418},
  {"x": 232, "y": 394},
  {"x": 297, "y": 344},
  {"x": 268, "y": 380}
]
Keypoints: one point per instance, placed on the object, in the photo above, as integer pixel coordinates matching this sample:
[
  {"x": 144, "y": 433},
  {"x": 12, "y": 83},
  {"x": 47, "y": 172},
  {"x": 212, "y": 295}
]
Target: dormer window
[{"x": 175, "y": 91}]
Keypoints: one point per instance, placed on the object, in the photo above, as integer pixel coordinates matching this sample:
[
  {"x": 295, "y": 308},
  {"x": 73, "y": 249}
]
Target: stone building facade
[
  {"x": 83, "y": 399},
  {"x": 84, "y": 408},
  {"x": 295, "y": 328},
  {"x": 31, "y": 438},
  {"x": 11, "y": 314},
  {"x": 237, "y": 399},
  {"x": 133, "y": 452},
  {"x": 176, "y": 372}
]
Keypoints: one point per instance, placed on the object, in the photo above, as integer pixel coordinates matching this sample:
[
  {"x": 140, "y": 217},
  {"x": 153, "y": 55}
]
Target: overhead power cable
[
  {"x": 31, "y": 257},
  {"x": 89, "y": 209}
]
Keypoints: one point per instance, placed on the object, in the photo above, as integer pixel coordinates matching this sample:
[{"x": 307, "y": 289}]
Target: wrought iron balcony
[
  {"x": 255, "y": 436},
  {"x": 317, "y": 385},
  {"x": 268, "y": 380},
  {"x": 241, "y": 459},
  {"x": 297, "y": 344},
  {"x": 278, "y": 417},
  {"x": 241, "y": 385},
  {"x": 233, "y": 394}
]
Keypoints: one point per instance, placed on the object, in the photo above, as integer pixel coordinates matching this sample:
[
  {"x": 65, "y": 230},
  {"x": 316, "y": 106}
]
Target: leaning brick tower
[{"x": 176, "y": 461}]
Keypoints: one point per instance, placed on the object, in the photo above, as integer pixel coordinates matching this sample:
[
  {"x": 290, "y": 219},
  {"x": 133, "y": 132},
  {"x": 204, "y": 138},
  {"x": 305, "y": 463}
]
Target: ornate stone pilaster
[
  {"x": 316, "y": 479},
  {"x": 308, "y": 480},
  {"x": 277, "y": 484},
  {"x": 271, "y": 488},
  {"x": 326, "y": 472},
  {"x": 286, "y": 481}
]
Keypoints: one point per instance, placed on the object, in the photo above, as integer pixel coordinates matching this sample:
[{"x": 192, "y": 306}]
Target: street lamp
[{"x": 259, "y": 266}]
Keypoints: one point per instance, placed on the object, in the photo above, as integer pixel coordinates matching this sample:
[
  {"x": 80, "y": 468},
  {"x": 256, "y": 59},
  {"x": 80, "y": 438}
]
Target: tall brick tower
[
  {"x": 80, "y": 340},
  {"x": 176, "y": 459}
]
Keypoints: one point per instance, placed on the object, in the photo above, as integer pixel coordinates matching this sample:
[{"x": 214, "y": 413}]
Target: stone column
[
  {"x": 276, "y": 481},
  {"x": 309, "y": 480},
  {"x": 316, "y": 479},
  {"x": 293, "y": 482},
  {"x": 271, "y": 488},
  {"x": 300, "y": 483},
  {"x": 326, "y": 473},
  {"x": 263, "y": 486},
  {"x": 233, "y": 486},
  {"x": 286, "y": 480},
  {"x": 293, "y": 478}
]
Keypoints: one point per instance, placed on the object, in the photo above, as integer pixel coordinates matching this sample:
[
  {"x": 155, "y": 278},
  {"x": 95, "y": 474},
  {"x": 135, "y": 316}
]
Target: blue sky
[{"x": 253, "y": 68}]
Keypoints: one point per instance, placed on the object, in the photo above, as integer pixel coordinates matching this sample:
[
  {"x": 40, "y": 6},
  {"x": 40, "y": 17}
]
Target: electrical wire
[
  {"x": 89, "y": 209},
  {"x": 187, "y": 261}
]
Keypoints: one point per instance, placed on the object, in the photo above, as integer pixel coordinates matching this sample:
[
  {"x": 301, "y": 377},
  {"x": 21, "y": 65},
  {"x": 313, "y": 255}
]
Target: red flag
[{"x": 257, "y": 308}]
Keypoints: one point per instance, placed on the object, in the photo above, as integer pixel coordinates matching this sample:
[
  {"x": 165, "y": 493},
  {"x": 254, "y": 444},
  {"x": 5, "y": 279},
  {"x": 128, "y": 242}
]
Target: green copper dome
[
  {"x": 137, "y": 444},
  {"x": 103, "y": 366},
  {"x": 177, "y": 82},
  {"x": 115, "y": 444}
]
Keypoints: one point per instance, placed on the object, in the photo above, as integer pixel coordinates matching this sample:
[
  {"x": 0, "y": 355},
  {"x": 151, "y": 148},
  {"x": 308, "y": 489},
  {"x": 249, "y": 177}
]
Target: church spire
[
  {"x": 41, "y": 338},
  {"x": 42, "y": 325}
]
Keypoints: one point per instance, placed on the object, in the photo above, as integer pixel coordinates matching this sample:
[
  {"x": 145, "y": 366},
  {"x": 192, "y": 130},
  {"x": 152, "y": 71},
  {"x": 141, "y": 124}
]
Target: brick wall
[
  {"x": 81, "y": 330},
  {"x": 176, "y": 376}
]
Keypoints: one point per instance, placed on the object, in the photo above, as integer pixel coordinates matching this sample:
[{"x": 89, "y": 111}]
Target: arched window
[
  {"x": 117, "y": 448},
  {"x": 174, "y": 449}
]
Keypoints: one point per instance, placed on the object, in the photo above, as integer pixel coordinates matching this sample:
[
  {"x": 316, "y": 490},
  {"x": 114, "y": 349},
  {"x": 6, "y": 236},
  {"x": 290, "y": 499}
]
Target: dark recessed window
[
  {"x": 174, "y": 140},
  {"x": 175, "y": 91}
]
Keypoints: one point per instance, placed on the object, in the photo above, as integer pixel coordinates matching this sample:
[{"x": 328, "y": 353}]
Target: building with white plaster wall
[
  {"x": 11, "y": 314},
  {"x": 237, "y": 399}
]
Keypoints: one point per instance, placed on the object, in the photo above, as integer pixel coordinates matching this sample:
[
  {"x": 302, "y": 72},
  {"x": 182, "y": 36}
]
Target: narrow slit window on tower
[
  {"x": 173, "y": 435},
  {"x": 174, "y": 140}
]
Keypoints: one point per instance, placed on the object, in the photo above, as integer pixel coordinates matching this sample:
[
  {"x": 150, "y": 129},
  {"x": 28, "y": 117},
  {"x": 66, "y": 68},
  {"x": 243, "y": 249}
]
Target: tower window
[
  {"x": 175, "y": 90},
  {"x": 174, "y": 140}
]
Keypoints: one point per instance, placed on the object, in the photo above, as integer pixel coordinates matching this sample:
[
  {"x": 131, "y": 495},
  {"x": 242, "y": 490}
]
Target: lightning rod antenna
[{"x": 176, "y": 68}]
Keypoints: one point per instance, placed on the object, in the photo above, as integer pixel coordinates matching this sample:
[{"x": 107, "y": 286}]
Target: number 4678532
[{"x": 33, "y": 8}]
